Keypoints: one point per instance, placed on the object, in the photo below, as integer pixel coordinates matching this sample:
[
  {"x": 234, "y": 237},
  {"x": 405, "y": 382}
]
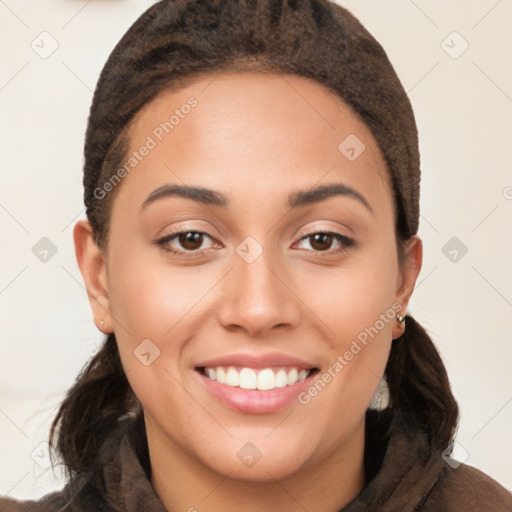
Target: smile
[
  {"x": 262, "y": 379},
  {"x": 255, "y": 390}
]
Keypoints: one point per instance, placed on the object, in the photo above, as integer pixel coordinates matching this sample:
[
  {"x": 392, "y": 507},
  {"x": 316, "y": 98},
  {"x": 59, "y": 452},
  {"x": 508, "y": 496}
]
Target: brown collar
[{"x": 400, "y": 469}]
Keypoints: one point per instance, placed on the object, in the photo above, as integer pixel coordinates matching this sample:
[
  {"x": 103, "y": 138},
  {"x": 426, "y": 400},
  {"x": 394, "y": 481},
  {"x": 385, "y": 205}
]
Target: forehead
[{"x": 254, "y": 132}]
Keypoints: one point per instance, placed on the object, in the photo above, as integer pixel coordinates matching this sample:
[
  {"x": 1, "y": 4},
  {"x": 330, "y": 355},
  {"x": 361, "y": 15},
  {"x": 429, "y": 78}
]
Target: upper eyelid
[{"x": 304, "y": 233}]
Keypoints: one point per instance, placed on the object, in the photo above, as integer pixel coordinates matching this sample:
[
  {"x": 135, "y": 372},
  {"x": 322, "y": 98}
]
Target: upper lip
[{"x": 259, "y": 361}]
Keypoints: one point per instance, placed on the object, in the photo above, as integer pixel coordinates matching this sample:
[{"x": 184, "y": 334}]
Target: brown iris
[{"x": 321, "y": 241}]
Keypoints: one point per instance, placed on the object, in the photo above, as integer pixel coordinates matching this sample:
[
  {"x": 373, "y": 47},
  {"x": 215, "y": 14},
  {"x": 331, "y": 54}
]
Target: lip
[
  {"x": 272, "y": 359},
  {"x": 254, "y": 401}
]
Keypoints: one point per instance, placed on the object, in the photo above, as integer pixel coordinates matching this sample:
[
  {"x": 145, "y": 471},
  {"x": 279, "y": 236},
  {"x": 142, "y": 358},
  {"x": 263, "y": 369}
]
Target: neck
[{"x": 184, "y": 483}]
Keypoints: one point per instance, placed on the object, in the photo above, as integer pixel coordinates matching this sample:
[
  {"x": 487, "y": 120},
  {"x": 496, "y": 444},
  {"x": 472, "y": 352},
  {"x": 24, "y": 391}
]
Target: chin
[
  {"x": 269, "y": 467},
  {"x": 254, "y": 455}
]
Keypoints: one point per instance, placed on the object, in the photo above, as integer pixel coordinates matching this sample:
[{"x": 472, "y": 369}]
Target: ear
[
  {"x": 92, "y": 265},
  {"x": 407, "y": 279}
]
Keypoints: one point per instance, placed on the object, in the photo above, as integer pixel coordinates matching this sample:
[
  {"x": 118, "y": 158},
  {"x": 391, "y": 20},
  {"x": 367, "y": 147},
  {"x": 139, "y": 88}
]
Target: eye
[
  {"x": 323, "y": 240},
  {"x": 191, "y": 242}
]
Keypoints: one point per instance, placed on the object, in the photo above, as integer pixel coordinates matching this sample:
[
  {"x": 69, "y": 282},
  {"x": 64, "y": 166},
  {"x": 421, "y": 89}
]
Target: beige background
[{"x": 463, "y": 108}]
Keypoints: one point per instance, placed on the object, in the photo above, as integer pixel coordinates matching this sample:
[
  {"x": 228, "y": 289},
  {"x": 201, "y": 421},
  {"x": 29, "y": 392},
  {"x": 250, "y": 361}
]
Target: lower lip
[{"x": 254, "y": 401}]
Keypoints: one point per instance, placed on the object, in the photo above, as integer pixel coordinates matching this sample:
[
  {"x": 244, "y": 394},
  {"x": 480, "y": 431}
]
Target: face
[{"x": 273, "y": 266}]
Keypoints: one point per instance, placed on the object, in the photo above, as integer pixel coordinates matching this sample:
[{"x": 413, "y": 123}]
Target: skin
[{"x": 255, "y": 138}]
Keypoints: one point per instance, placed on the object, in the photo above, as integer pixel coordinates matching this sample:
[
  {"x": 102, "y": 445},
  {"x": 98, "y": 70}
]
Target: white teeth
[
  {"x": 232, "y": 377},
  {"x": 302, "y": 375},
  {"x": 293, "y": 377},
  {"x": 281, "y": 379},
  {"x": 264, "y": 380},
  {"x": 247, "y": 378}
]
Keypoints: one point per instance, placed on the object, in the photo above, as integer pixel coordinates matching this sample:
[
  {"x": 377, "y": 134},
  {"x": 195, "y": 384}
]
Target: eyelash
[{"x": 161, "y": 242}]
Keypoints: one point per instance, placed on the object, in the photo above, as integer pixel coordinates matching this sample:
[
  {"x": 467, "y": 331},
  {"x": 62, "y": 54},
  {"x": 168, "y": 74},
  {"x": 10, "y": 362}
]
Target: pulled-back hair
[{"x": 169, "y": 46}]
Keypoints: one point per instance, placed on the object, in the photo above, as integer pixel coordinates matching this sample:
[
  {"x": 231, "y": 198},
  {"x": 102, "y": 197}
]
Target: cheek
[
  {"x": 156, "y": 308},
  {"x": 356, "y": 302},
  {"x": 150, "y": 298},
  {"x": 353, "y": 295}
]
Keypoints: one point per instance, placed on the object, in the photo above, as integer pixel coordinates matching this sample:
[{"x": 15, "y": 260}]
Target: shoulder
[
  {"x": 462, "y": 488},
  {"x": 51, "y": 502}
]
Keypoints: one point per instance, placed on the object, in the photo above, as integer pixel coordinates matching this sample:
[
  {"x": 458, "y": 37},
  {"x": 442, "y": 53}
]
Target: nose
[{"x": 258, "y": 297}]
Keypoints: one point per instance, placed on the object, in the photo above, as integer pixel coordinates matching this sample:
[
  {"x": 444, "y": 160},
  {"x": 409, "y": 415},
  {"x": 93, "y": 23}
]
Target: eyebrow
[{"x": 296, "y": 199}]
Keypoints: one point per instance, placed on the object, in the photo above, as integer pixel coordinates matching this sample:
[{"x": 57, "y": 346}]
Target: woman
[{"x": 252, "y": 191}]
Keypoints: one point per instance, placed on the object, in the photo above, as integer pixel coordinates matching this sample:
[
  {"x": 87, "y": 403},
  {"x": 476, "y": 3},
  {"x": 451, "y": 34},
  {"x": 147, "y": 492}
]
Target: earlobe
[
  {"x": 407, "y": 280},
  {"x": 91, "y": 261}
]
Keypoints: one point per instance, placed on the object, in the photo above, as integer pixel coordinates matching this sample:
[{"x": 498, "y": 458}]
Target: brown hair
[{"x": 168, "y": 46}]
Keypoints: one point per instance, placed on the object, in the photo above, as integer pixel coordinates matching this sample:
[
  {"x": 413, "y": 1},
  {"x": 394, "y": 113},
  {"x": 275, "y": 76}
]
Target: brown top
[{"x": 403, "y": 474}]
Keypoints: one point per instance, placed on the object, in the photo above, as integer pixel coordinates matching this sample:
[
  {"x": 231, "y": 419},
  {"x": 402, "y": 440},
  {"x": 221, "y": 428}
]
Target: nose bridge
[
  {"x": 255, "y": 296},
  {"x": 257, "y": 282}
]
